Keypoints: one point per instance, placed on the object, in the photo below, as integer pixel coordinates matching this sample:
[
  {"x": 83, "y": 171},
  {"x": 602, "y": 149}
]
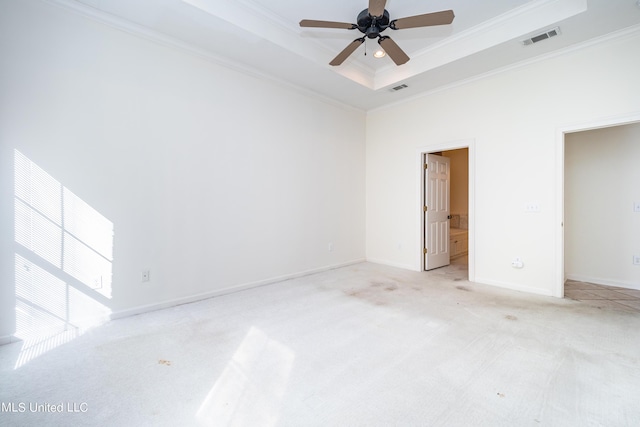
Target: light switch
[{"x": 532, "y": 207}]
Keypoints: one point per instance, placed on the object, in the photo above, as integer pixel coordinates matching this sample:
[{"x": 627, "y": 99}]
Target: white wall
[
  {"x": 514, "y": 117},
  {"x": 212, "y": 179},
  {"x": 602, "y": 182}
]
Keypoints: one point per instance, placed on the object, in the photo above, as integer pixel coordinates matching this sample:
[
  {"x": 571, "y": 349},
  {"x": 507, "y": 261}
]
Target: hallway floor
[{"x": 601, "y": 296}]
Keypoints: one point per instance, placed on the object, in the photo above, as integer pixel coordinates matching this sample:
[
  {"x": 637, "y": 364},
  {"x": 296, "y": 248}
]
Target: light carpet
[{"x": 365, "y": 345}]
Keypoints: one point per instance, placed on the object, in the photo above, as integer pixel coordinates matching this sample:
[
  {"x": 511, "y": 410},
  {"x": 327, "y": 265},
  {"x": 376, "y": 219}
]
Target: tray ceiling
[{"x": 263, "y": 37}]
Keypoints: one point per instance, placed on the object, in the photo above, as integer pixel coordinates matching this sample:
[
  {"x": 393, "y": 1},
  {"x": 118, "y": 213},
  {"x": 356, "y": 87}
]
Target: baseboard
[
  {"x": 511, "y": 286},
  {"x": 9, "y": 339},
  {"x": 225, "y": 291},
  {"x": 391, "y": 264},
  {"x": 602, "y": 281}
]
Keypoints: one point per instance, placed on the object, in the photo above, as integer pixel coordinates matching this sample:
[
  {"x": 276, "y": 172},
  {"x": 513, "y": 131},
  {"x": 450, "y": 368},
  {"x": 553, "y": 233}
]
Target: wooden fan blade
[
  {"x": 427, "y": 20},
  {"x": 347, "y": 51},
  {"x": 326, "y": 24},
  {"x": 376, "y": 7},
  {"x": 393, "y": 50}
]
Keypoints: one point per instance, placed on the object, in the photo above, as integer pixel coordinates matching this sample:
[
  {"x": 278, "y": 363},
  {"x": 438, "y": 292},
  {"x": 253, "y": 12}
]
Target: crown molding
[
  {"x": 263, "y": 23},
  {"x": 507, "y": 26},
  {"x": 174, "y": 43},
  {"x": 613, "y": 37}
]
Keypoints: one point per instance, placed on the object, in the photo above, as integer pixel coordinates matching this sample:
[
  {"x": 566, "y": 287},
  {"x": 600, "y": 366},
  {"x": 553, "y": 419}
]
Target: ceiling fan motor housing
[{"x": 372, "y": 26}]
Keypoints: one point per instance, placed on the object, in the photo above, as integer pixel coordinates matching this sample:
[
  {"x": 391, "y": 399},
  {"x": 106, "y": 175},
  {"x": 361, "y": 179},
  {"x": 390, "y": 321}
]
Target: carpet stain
[
  {"x": 463, "y": 288},
  {"x": 164, "y": 362},
  {"x": 386, "y": 284},
  {"x": 501, "y": 394},
  {"x": 373, "y": 294},
  {"x": 510, "y": 317}
]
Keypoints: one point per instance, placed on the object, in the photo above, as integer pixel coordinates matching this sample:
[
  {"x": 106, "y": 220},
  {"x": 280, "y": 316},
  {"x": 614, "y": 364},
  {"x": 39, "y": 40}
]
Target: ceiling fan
[{"x": 373, "y": 21}]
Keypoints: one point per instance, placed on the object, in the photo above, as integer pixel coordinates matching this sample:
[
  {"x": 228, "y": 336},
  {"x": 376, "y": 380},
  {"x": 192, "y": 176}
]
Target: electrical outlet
[
  {"x": 146, "y": 275},
  {"x": 330, "y": 247},
  {"x": 517, "y": 262},
  {"x": 636, "y": 260},
  {"x": 636, "y": 206}
]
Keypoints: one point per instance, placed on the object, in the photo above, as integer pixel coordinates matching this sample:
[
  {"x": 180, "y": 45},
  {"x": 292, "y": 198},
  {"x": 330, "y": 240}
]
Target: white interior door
[{"x": 436, "y": 211}]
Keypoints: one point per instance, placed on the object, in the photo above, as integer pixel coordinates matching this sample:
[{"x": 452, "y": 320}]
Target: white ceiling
[{"x": 263, "y": 37}]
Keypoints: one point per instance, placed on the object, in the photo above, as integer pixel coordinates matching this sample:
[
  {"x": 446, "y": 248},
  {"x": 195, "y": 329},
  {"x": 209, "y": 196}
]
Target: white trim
[
  {"x": 232, "y": 289},
  {"x": 513, "y": 287},
  {"x": 613, "y": 37},
  {"x": 162, "y": 39},
  {"x": 599, "y": 123},
  {"x": 172, "y": 42},
  {"x": 557, "y": 289},
  {"x": 9, "y": 339},
  {"x": 446, "y": 146},
  {"x": 392, "y": 264},
  {"x": 501, "y": 29},
  {"x": 265, "y": 24},
  {"x": 603, "y": 281}
]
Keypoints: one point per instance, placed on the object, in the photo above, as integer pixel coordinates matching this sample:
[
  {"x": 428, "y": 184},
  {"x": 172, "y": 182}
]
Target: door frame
[
  {"x": 470, "y": 144},
  {"x": 558, "y": 289}
]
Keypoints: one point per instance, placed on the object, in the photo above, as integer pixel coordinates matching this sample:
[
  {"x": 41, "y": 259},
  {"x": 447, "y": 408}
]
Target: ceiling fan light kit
[{"x": 373, "y": 21}]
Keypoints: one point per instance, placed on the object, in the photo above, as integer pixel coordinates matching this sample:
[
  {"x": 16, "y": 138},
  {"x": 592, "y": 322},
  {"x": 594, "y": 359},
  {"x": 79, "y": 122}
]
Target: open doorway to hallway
[{"x": 602, "y": 211}]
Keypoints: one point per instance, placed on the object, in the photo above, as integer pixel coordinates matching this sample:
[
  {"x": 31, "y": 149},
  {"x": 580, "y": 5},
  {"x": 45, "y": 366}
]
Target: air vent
[
  {"x": 397, "y": 88},
  {"x": 542, "y": 36}
]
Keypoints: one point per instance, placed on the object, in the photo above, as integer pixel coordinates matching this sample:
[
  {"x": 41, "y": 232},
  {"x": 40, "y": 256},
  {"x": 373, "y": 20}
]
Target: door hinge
[
  {"x": 425, "y": 208},
  {"x": 426, "y": 166},
  {"x": 426, "y": 251}
]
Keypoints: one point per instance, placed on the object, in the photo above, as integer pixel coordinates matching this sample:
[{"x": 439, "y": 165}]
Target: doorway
[
  {"x": 566, "y": 202},
  {"x": 461, "y": 156},
  {"x": 604, "y": 255}
]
